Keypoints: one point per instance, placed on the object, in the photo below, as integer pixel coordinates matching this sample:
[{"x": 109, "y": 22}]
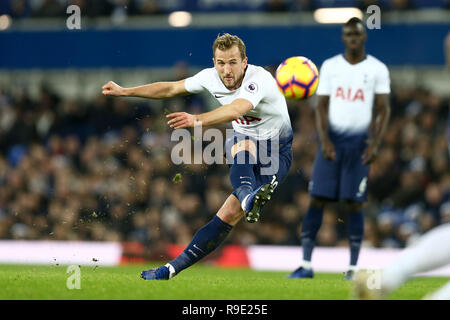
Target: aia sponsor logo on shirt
[
  {"x": 349, "y": 94},
  {"x": 247, "y": 120}
]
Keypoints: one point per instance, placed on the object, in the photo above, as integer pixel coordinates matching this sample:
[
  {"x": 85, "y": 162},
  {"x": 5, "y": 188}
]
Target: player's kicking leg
[{"x": 429, "y": 253}]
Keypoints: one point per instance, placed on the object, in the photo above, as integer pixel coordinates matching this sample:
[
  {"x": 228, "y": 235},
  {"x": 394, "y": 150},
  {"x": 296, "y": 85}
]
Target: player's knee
[
  {"x": 244, "y": 145},
  {"x": 231, "y": 216},
  {"x": 231, "y": 212}
]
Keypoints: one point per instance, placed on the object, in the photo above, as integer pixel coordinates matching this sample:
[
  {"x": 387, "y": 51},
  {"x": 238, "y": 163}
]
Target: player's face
[
  {"x": 230, "y": 67},
  {"x": 354, "y": 37}
]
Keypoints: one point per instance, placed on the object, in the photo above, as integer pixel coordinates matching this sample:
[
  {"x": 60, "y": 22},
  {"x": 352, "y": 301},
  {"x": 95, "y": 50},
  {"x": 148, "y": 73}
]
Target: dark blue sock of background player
[
  {"x": 355, "y": 235},
  {"x": 310, "y": 227}
]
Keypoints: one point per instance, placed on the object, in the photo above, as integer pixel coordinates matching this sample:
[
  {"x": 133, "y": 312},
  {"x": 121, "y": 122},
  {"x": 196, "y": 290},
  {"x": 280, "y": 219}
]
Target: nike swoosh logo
[
  {"x": 195, "y": 246},
  {"x": 193, "y": 253},
  {"x": 218, "y": 97}
]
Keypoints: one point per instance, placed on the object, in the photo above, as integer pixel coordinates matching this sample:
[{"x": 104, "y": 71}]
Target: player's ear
[{"x": 244, "y": 62}]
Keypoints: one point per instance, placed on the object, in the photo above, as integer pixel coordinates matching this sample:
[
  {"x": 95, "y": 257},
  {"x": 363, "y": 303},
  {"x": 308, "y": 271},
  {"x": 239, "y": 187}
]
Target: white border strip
[
  {"x": 60, "y": 252},
  {"x": 288, "y": 258}
]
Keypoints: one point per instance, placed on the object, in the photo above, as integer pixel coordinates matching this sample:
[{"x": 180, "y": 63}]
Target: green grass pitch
[{"x": 200, "y": 282}]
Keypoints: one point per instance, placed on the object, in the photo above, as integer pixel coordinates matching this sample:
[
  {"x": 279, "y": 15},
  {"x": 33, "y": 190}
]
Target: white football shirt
[
  {"x": 352, "y": 88},
  {"x": 269, "y": 116}
]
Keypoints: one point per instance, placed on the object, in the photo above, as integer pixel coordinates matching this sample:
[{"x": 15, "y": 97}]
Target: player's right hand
[
  {"x": 328, "y": 150},
  {"x": 113, "y": 89}
]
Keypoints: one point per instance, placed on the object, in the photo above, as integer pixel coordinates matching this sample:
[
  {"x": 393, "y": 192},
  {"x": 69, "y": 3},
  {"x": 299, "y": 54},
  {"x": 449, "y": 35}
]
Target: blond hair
[{"x": 227, "y": 41}]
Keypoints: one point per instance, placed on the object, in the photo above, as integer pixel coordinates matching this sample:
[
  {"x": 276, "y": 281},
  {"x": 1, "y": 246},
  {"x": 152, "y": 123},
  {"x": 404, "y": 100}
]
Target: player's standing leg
[{"x": 207, "y": 239}]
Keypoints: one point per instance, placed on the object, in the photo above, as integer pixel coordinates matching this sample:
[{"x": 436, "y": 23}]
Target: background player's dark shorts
[
  {"x": 284, "y": 158},
  {"x": 344, "y": 178}
]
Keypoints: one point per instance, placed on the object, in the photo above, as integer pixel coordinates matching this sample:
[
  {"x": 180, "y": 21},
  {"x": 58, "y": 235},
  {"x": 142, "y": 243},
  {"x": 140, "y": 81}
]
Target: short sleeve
[
  {"x": 324, "y": 87},
  {"x": 198, "y": 82},
  {"x": 382, "y": 82},
  {"x": 254, "y": 89}
]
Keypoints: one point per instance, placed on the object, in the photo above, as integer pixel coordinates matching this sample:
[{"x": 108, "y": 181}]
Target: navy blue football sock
[
  {"x": 310, "y": 227},
  {"x": 355, "y": 235},
  {"x": 208, "y": 238},
  {"x": 241, "y": 174}
]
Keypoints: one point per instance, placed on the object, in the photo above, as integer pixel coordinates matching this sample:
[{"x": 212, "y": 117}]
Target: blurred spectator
[
  {"x": 49, "y": 8},
  {"x": 125, "y": 7},
  {"x": 97, "y": 8},
  {"x": 20, "y": 9},
  {"x": 402, "y": 5},
  {"x": 303, "y": 5},
  {"x": 277, "y": 6},
  {"x": 148, "y": 7},
  {"x": 364, "y": 4}
]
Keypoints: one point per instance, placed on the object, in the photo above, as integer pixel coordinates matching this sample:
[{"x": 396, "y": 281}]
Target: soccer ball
[{"x": 297, "y": 78}]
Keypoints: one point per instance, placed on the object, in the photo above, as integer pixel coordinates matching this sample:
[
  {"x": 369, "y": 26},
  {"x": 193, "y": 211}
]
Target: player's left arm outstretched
[
  {"x": 223, "y": 114},
  {"x": 380, "y": 120},
  {"x": 157, "y": 90}
]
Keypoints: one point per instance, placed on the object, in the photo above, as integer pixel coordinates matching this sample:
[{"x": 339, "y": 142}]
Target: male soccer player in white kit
[
  {"x": 352, "y": 114},
  {"x": 429, "y": 253},
  {"x": 251, "y": 101}
]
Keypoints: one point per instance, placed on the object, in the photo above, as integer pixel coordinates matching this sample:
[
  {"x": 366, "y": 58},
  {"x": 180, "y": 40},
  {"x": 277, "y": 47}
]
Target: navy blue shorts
[
  {"x": 269, "y": 161},
  {"x": 344, "y": 178}
]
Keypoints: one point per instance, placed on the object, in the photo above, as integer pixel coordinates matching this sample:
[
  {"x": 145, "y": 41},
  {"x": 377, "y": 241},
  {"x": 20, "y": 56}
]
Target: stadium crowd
[
  {"x": 102, "y": 8},
  {"x": 102, "y": 170}
]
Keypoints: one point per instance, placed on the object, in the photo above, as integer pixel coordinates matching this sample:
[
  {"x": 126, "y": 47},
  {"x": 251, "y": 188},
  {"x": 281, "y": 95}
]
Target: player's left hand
[
  {"x": 370, "y": 153},
  {"x": 181, "y": 120}
]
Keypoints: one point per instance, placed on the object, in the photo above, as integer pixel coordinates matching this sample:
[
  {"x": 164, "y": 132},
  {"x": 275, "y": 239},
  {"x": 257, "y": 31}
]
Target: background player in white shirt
[
  {"x": 251, "y": 101},
  {"x": 352, "y": 114}
]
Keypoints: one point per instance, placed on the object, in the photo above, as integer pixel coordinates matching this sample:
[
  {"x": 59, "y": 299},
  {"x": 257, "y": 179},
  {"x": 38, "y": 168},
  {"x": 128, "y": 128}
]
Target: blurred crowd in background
[
  {"x": 101, "y": 170},
  {"x": 102, "y": 8}
]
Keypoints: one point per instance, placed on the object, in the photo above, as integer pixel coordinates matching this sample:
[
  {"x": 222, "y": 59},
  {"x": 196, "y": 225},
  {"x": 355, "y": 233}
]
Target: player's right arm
[
  {"x": 322, "y": 127},
  {"x": 157, "y": 90}
]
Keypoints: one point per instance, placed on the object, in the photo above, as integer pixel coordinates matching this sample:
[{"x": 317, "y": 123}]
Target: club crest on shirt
[{"x": 251, "y": 87}]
